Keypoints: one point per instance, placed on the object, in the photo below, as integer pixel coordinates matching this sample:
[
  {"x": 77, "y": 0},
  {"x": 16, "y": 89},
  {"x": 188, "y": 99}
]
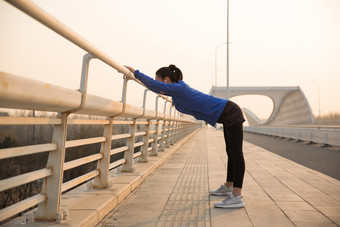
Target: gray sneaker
[
  {"x": 230, "y": 202},
  {"x": 223, "y": 190}
]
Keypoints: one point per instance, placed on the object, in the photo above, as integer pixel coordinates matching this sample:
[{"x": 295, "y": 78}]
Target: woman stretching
[{"x": 169, "y": 81}]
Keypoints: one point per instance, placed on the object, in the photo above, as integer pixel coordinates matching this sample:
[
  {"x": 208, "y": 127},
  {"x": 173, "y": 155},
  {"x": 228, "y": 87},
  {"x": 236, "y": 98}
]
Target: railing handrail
[{"x": 55, "y": 25}]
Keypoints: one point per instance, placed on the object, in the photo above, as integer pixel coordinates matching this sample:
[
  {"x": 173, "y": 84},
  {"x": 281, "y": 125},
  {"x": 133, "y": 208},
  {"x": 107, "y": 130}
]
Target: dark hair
[{"x": 174, "y": 73}]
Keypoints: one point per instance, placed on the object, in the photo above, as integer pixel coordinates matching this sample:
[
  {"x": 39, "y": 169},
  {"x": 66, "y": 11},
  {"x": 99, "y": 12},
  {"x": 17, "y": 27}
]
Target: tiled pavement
[{"x": 276, "y": 191}]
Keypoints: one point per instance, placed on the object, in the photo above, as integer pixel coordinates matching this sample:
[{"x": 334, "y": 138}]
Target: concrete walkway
[{"x": 277, "y": 191}]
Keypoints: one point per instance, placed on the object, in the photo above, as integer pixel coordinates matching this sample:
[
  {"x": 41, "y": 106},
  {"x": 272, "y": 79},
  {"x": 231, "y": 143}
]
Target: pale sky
[{"x": 273, "y": 43}]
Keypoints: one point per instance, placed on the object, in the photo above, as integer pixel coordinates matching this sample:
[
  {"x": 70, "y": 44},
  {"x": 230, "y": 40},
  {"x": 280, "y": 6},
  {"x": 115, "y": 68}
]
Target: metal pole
[
  {"x": 228, "y": 92},
  {"x": 219, "y": 45}
]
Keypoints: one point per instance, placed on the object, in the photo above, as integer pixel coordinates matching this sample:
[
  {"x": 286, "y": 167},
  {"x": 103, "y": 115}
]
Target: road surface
[{"x": 323, "y": 159}]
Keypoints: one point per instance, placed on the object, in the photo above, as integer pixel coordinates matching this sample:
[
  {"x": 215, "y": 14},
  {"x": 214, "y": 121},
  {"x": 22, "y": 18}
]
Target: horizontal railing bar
[
  {"x": 141, "y": 123},
  {"x": 82, "y": 161},
  {"x": 120, "y": 136},
  {"x": 79, "y": 180},
  {"x": 122, "y": 122},
  {"x": 24, "y": 178},
  {"x": 26, "y": 150},
  {"x": 53, "y": 99},
  {"x": 117, "y": 163},
  {"x": 29, "y": 121},
  {"x": 138, "y": 144},
  {"x": 140, "y": 133},
  {"x": 76, "y": 143},
  {"x": 119, "y": 150},
  {"x": 87, "y": 122},
  {"x": 137, "y": 154},
  {"x": 21, "y": 206},
  {"x": 151, "y": 140}
]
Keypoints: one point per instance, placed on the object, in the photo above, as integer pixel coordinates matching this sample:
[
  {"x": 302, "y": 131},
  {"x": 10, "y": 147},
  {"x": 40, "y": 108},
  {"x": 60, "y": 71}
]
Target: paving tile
[
  {"x": 270, "y": 220},
  {"x": 261, "y": 209},
  {"x": 306, "y": 216},
  {"x": 291, "y": 205},
  {"x": 315, "y": 224},
  {"x": 277, "y": 197},
  {"x": 322, "y": 200}
]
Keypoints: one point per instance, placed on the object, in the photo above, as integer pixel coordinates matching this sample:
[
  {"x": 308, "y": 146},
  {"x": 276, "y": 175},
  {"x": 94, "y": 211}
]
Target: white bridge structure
[
  {"x": 290, "y": 104},
  {"x": 291, "y": 117}
]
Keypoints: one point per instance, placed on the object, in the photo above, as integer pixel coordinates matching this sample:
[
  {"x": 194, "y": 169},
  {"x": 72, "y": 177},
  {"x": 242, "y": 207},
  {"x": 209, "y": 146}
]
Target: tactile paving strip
[{"x": 188, "y": 204}]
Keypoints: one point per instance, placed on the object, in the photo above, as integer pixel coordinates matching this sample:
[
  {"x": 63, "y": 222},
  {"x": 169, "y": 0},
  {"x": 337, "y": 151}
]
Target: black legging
[{"x": 233, "y": 136}]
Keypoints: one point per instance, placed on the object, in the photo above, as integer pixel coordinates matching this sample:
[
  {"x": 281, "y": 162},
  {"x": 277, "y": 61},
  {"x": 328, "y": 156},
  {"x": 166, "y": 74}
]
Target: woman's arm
[{"x": 157, "y": 86}]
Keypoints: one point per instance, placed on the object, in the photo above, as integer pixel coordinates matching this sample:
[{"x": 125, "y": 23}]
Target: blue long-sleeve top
[{"x": 186, "y": 99}]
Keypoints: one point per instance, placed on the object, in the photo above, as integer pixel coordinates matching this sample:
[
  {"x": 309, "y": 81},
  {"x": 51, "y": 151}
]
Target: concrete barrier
[{"x": 328, "y": 135}]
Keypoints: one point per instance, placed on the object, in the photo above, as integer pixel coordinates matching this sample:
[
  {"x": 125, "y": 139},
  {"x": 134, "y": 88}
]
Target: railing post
[
  {"x": 128, "y": 155},
  {"x": 180, "y": 131},
  {"x": 154, "y": 144},
  {"x": 103, "y": 165},
  {"x": 155, "y": 140},
  {"x": 176, "y": 128},
  {"x": 162, "y": 129},
  {"x": 167, "y": 142},
  {"x": 144, "y": 149},
  {"x": 83, "y": 82},
  {"x": 174, "y": 125},
  {"x": 162, "y": 142},
  {"x": 50, "y": 209}
]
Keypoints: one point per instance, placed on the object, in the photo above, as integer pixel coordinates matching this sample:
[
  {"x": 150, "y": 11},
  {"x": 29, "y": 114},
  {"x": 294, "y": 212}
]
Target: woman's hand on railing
[
  {"x": 130, "y": 68},
  {"x": 130, "y": 76}
]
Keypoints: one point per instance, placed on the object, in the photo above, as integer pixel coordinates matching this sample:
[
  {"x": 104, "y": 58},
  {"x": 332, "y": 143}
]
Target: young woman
[{"x": 169, "y": 81}]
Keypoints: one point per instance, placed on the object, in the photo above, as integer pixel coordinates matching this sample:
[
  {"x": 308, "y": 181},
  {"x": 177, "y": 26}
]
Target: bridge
[{"x": 151, "y": 167}]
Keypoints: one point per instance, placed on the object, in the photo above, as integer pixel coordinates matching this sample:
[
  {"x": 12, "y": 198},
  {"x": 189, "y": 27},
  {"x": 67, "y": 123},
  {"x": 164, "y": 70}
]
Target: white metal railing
[
  {"x": 162, "y": 129},
  {"x": 328, "y": 135}
]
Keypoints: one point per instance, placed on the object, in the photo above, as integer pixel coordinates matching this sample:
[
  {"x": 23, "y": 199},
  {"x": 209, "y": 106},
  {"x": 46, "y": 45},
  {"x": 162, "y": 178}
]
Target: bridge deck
[{"x": 277, "y": 191}]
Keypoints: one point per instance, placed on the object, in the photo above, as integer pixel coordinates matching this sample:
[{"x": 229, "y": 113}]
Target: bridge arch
[
  {"x": 256, "y": 107},
  {"x": 290, "y": 104}
]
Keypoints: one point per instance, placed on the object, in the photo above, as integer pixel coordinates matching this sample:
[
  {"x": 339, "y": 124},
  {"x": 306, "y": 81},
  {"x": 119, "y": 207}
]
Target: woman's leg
[
  {"x": 235, "y": 140},
  {"x": 229, "y": 178}
]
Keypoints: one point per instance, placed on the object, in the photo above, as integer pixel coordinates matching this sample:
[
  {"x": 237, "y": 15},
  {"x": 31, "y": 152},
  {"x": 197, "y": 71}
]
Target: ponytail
[{"x": 174, "y": 73}]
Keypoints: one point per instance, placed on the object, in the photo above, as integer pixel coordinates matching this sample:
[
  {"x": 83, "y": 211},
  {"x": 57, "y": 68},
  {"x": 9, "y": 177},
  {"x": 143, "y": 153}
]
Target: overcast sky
[{"x": 273, "y": 43}]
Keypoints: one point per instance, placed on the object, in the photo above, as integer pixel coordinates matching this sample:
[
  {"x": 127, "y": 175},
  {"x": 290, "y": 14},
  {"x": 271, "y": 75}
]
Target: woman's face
[{"x": 165, "y": 80}]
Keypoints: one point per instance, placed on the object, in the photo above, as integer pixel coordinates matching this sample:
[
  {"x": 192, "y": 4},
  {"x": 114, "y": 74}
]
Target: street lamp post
[
  {"x": 228, "y": 92},
  {"x": 219, "y": 45}
]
